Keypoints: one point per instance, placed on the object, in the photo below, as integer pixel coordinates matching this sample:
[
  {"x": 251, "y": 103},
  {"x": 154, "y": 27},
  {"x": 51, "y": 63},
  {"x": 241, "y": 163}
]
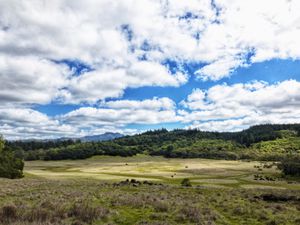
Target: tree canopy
[
  {"x": 11, "y": 166},
  {"x": 261, "y": 142}
]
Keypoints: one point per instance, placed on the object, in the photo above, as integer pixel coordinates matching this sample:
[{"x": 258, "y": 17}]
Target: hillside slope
[{"x": 259, "y": 142}]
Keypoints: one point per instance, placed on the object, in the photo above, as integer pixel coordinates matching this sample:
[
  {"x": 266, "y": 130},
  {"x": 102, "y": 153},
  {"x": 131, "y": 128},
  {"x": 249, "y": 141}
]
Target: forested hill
[
  {"x": 246, "y": 137},
  {"x": 258, "y": 142}
]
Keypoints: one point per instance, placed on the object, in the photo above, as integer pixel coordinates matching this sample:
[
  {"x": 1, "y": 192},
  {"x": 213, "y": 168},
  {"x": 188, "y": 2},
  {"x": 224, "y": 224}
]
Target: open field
[
  {"x": 204, "y": 172},
  {"x": 94, "y": 191}
]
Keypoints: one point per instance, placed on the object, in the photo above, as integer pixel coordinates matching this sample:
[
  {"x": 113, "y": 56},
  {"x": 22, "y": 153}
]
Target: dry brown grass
[
  {"x": 8, "y": 213},
  {"x": 83, "y": 211},
  {"x": 51, "y": 213},
  {"x": 78, "y": 201}
]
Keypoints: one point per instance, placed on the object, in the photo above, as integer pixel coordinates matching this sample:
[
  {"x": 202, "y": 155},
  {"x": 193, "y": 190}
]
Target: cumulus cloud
[
  {"x": 19, "y": 123},
  {"x": 111, "y": 116},
  {"x": 95, "y": 116},
  {"x": 91, "y": 32},
  {"x": 112, "y": 38},
  {"x": 248, "y": 32},
  {"x": 224, "y": 107},
  {"x": 148, "y": 104},
  {"x": 30, "y": 80},
  {"x": 218, "y": 69},
  {"x": 124, "y": 112},
  {"x": 104, "y": 83},
  {"x": 126, "y": 44}
]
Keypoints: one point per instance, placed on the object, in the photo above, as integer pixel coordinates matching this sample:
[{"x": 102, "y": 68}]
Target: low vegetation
[
  {"x": 176, "y": 177},
  {"x": 77, "y": 202},
  {"x": 150, "y": 190},
  {"x": 186, "y": 182}
]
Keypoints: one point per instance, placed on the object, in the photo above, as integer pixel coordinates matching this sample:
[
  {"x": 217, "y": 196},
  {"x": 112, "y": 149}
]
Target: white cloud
[
  {"x": 96, "y": 85},
  {"x": 30, "y": 80},
  {"x": 220, "y": 108},
  {"x": 126, "y": 43},
  {"x": 148, "y": 104},
  {"x": 268, "y": 29},
  {"x": 244, "y": 123},
  {"x": 218, "y": 69},
  {"x": 95, "y": 116},
  {"x": 224, "y": 107},
  {"x": 91, "y": 32},
  {"x": 20, "y": 123},
  {"x": 124, "y": 112},
  {"x": 111, "y": 116},
  {"x": 23, "y": 123}
]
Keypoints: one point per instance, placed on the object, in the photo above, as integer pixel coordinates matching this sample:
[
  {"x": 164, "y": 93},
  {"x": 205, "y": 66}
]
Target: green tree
[
  {"x": 290, "y": 165},
  {"x": 10, "y": 165},
  {"x": 1, "y": 143}
]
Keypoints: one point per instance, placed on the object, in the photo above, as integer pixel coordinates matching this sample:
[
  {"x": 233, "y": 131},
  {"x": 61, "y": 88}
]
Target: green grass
[
  {"x": 286, "y": 145},
  {"x": 170, "y": 171},
  {"x": 90, "y": 192}
]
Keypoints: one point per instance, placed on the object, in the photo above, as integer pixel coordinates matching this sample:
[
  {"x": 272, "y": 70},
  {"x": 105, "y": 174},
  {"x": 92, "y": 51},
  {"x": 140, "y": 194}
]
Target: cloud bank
[{"x": 89, "y": 52}]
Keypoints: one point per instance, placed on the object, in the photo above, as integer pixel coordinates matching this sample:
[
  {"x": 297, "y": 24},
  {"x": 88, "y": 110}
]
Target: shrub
[
  {"x": 87, "y": 213},
  {"x": 193, "y": 214},
  {"x": 38, "y": 215},
  {"x": 290, "y": 165},
  {"x": 8, "y": 213},
  {"x": 160, "y": 206},
  {"x": 186, "y": 182}
]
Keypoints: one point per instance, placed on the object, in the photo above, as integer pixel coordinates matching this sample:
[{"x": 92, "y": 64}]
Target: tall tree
[{"x": 10, "y": 165}]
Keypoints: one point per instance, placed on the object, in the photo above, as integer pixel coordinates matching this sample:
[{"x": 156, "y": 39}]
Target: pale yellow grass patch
[
  {"x": 216, "y": 181},
  {"x": 261, "y": 186},
  {"x": 144, "y": 168}
]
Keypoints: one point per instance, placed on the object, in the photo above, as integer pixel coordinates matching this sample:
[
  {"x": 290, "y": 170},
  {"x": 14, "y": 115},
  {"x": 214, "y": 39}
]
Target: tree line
[
  {"x": 176, "y": 143},
  {"x": 261, "y": 142}
]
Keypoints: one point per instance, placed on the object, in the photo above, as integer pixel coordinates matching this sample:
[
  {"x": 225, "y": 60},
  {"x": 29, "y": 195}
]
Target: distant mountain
[{"x": 102, "y": 137}]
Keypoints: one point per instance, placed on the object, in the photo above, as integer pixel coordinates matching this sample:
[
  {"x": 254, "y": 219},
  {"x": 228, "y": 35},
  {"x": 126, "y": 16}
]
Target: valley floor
[{"x": 95, "y": 191}]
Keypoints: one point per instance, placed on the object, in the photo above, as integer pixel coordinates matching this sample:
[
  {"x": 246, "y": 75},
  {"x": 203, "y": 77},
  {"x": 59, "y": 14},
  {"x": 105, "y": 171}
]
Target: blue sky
[
  {"x": 146, "y": 64},
  {"x": 272, "y": 71}
]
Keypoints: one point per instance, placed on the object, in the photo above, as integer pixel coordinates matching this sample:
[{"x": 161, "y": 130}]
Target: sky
[{"x": 71, "y": 68}]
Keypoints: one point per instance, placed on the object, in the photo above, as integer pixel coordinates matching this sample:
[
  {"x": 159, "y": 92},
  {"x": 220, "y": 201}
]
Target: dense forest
[{"x": 261, "y": 142}]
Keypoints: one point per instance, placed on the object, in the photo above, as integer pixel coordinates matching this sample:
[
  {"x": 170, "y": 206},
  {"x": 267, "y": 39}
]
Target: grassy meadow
[
  {"x": 95, "y": 191},
  {"x": 204, "y": 172}
]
